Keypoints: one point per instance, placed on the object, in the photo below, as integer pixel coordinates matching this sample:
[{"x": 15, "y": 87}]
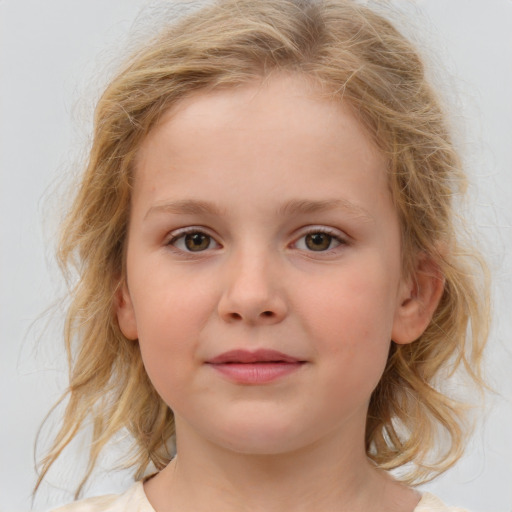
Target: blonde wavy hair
[{"x": 355, "y": 55}]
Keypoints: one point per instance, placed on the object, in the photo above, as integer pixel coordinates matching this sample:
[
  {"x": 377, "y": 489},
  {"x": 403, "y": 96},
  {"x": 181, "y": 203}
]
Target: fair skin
[{"x": 261, "y": 220}]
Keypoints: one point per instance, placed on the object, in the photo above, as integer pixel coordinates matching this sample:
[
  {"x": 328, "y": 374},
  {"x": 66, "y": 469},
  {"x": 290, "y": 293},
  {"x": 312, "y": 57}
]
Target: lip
[
  {"x": 253, "y": 356},
  {"x": 255, "y": 367}
]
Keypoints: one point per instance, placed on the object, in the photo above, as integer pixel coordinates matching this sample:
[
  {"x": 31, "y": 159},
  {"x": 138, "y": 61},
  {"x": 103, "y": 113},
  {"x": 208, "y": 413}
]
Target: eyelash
[
  {"x": 182, "y": 233},
  {"x": 333, "y": 234}
]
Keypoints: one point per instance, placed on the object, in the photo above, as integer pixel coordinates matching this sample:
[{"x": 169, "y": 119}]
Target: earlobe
[
  {"x": 125, "y": 312},
  {"x": 418, "y": 300}
]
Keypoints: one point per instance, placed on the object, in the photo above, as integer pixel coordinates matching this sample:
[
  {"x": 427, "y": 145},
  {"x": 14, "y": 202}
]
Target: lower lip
[{"x": 256, "y": 373}]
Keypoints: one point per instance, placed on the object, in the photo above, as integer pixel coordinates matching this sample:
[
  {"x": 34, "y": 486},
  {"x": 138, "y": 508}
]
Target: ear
[
  {"x": 125, "y": 312},
  {"x": 418, "y": 299}
]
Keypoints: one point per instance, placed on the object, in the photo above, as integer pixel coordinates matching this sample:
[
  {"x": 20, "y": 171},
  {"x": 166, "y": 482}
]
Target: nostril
[
  {"x": 267, "y": 313},
  {"x": 236, "y": 316}
]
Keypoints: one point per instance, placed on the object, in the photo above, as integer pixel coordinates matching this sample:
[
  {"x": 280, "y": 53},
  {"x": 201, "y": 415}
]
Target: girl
[{"x": 271, "y": 284}]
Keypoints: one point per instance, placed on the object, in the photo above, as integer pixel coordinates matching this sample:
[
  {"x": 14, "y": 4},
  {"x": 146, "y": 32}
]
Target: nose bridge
[{"x": 252, "y": 289}]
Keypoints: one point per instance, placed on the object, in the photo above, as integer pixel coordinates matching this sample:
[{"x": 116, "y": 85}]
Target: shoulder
[
  {"x": 431, "y": 503},
  {"x": 133, "y": 500}
]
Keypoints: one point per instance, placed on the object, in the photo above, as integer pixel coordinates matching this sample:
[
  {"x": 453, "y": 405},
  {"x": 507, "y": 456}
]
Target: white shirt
[{"x": 135, "y": 500}]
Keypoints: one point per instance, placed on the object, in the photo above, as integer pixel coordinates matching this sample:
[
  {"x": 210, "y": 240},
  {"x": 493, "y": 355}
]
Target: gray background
[{"x": 53, "y": 57}]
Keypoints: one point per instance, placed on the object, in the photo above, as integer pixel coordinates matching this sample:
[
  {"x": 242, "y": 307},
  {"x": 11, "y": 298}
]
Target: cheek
[
  {"x": 351, "y": 326},
  {"x": 169, "y": 317},
  {"x": 358, "y": 307},
  {"x": 170, "y": 305}
]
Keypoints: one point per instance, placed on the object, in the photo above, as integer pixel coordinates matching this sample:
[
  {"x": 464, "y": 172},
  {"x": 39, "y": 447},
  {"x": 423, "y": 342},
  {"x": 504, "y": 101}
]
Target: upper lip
[{"x": 253, "y": 356}]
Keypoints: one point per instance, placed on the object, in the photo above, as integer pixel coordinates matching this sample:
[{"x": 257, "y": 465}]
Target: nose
[{"x": 253, "y": 293}]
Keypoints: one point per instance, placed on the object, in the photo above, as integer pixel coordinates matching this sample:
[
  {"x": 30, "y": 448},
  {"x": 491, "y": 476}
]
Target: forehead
[
  {"x": 287, "y": 105},
  {"x": 279, "y": 134},
  {"x": 285, "y": 90}
]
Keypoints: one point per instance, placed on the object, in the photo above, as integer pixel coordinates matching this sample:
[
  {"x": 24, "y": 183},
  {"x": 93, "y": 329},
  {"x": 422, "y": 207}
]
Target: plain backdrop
[{"x": 54, "y": 56}]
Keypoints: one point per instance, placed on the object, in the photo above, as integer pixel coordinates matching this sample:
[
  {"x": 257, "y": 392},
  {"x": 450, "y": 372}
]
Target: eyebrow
[
  {"x": 306, "y": 206},
  {"x": 291, "y": 208},
  {"x": 186, "y": 207}
]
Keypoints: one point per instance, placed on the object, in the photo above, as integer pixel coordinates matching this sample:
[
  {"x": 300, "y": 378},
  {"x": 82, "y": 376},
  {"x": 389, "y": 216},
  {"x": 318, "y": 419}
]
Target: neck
[{"x": 329, "y": 475}]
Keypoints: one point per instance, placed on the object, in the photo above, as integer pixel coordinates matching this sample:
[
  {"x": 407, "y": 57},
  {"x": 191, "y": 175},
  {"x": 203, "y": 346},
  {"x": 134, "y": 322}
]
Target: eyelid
[
  {"x": 181, "y": 232},
  {"x": 338, "y": 235},
  {"x": 176, "y": 234}
]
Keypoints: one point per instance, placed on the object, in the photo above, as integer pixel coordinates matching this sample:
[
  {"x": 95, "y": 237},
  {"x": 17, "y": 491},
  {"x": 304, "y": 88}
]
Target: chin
[{"x": 258, "y": 438}]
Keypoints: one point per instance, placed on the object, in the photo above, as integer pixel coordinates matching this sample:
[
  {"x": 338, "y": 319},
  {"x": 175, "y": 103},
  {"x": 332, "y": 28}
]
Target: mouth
[
  {"x": 251, "y": 357},
  {"x": 255, "y": 367}
]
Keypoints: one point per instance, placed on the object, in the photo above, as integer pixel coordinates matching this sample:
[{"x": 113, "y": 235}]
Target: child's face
[{"x": 262, "y": 221}]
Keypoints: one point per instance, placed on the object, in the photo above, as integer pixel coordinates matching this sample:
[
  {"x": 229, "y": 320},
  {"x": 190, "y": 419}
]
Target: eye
[
  {"x": 319, "y": 241},
  {"x": 192, "y": 241}
]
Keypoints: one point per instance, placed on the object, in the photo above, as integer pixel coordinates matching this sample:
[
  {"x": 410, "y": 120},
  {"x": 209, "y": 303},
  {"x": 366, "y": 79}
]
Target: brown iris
[
  {"x": 197, "y": 241},
  {"x": 318, "y": 241}
]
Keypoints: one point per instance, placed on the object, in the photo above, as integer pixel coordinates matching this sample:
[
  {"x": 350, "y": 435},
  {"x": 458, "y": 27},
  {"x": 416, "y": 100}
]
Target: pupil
[
  {"x": 197, "y": 241},
  {"x": 318, "y": 241}
]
